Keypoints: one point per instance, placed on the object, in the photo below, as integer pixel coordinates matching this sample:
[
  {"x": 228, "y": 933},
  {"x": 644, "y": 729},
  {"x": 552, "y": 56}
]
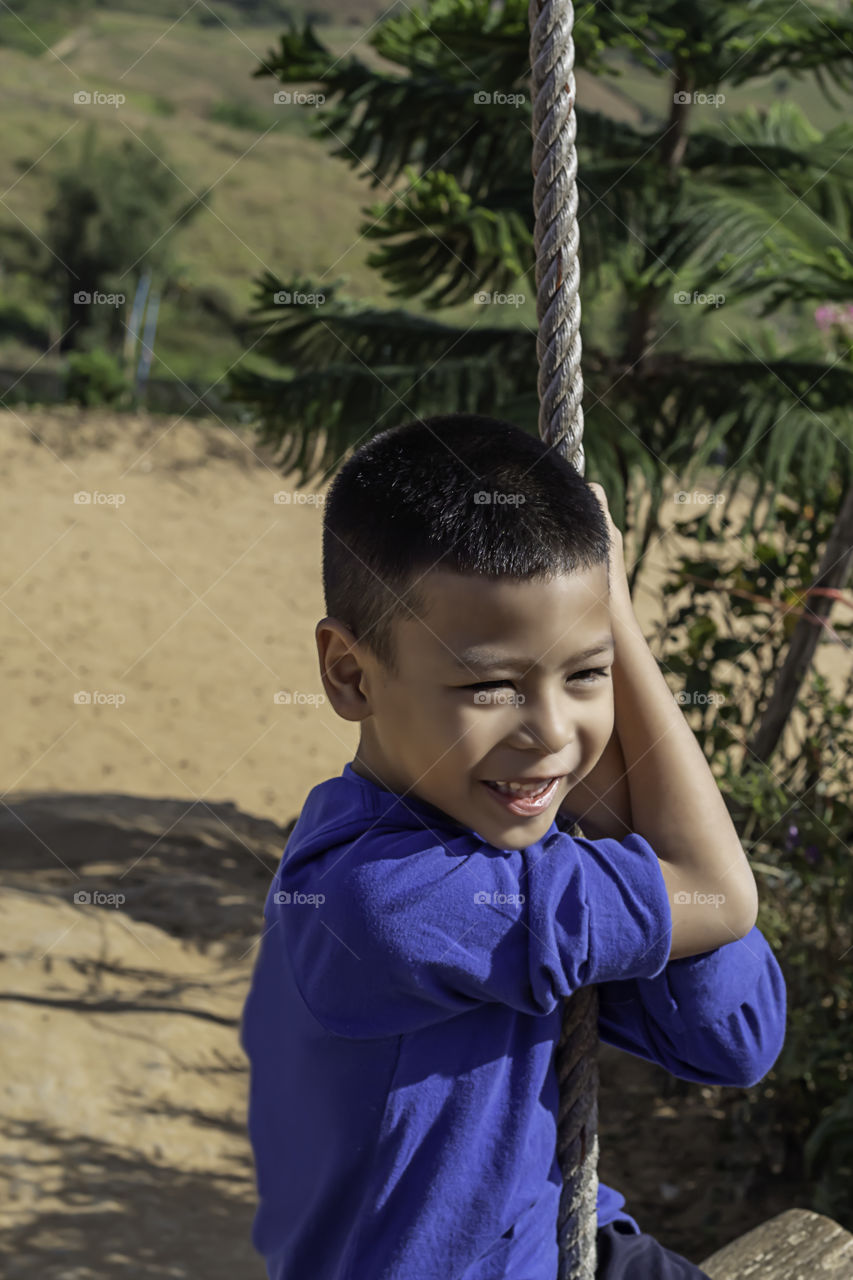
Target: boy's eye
[{"x": 589, "y": 674}]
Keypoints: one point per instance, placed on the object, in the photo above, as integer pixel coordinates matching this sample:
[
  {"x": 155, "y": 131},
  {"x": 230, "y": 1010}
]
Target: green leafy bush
[
  {"x": 96, "y": 378},
  {"x": 829, "y": 1153},
  {"x": 794, "y": 816},
  {"x": 241, "y": 115}
]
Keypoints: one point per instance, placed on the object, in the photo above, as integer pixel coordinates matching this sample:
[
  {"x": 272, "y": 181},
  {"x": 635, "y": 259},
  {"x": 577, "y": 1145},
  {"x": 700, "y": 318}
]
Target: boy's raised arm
[
  {"x": 601, "y": 802},
  {"x": 675, "y": 803}
]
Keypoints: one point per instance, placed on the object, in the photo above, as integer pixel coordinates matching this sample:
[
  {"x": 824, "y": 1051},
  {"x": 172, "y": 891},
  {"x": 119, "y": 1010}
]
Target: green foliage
[
  {"x": 254, "y": 12},
  {"x": 712, "y": 43},
  {"x": 656, "y": 212},
  {"x": 466, "y": 377},
  {"x": 750, "y": 210},
  {"x": 242, "y": 115},
  {"x": 33, "y": 26},
  {"x": 114, "y": 212},
  {"x": 722, "y": 642},
  {"x": 162, "y": 106},
  {"x": 435, "y": 217},
  {"x": 24, "y": 323},
  {"x": 96, "y": 378},
  {"x": 829, "y": 1152}
]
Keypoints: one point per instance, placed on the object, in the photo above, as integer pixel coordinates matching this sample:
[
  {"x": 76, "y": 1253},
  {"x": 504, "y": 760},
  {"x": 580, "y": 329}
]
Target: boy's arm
[
  {"x": 602, "y": 801},
  {"x": 675, "y": 803},
  {"x": 717, "y": 1018}
]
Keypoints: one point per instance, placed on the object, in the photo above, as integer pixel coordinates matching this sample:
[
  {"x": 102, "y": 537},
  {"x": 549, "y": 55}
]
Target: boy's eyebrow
[{"x": 482, "y": 659}]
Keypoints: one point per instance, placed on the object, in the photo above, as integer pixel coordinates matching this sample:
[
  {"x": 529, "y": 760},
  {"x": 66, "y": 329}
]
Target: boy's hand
[
  {"x": 618, "y": 576},
  {"x": 671, "y": 797},
  {"x": 602, "y": 800}
]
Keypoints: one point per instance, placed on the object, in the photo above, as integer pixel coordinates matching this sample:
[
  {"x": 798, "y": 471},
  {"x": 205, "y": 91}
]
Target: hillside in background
[{"x": 279, "y": 201}]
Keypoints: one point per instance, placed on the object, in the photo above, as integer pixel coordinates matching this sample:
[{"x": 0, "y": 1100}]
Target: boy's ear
[{"x": 341, "y": 669}]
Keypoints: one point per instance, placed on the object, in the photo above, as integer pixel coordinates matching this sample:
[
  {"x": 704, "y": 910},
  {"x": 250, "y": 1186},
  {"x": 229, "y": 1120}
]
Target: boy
[{"x": 429, "y": 916}]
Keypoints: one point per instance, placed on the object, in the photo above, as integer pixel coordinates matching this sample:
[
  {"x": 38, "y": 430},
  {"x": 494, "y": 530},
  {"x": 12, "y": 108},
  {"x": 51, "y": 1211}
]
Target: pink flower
[{"x": 825, "y": 315}]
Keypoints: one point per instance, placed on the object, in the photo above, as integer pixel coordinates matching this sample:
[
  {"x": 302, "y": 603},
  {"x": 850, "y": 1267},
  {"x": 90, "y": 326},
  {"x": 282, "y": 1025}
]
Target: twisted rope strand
[
  {"x": 556, "y": 237},
  {"x": 560, "y": 387}
]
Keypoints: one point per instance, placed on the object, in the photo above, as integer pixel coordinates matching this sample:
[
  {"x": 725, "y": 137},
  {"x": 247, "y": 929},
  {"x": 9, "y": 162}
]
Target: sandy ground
[{"x": 164, "y": 722}]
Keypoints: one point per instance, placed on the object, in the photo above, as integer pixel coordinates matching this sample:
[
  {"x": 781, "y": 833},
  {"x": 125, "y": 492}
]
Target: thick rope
[
  {"x": 577, "y": 1136},
  {"x": 556, "y": 237},
  {"x": 560, "y": 385}
]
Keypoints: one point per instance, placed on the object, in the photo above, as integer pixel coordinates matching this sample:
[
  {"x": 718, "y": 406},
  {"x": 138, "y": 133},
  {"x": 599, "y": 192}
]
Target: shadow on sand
[
  {"x": 85, "y": 1208},
  {"x": 199, "y": 871}
]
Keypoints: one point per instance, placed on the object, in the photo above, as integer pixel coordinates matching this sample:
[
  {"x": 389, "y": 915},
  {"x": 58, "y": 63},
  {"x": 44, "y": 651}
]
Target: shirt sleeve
[
  {"x": 714, "y": 1018},
  {"x": 414, "y": 932}
]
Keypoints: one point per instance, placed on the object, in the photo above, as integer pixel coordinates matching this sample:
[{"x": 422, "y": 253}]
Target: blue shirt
[{"x": 402, "y": 1021}]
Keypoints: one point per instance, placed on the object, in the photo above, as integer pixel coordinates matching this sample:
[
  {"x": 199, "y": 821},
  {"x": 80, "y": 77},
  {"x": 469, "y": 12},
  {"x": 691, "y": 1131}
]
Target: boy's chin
[{"x": 515, "y": 832}]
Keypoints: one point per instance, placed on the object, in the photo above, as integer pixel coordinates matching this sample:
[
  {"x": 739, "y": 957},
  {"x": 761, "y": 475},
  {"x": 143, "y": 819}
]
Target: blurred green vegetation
[
  {"x": 279, "y": 201},
  {"x": 720, "y": 641}
]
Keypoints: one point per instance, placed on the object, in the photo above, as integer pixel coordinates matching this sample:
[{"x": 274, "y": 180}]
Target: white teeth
[{"x": 524, "y": 788}]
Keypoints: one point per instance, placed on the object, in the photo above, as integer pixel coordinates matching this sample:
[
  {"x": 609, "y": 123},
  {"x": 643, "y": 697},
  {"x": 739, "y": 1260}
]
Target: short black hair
[{"x": 411, "y": 499}]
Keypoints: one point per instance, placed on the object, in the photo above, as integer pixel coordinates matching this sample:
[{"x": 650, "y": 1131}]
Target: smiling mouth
[
  {"x": 522, "y": 786},
  {"x": 526, "y": 802}
]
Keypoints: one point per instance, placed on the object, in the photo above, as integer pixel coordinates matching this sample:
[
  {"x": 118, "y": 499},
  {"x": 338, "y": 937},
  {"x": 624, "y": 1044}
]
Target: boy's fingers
[
  {"x": 615, "y": 533},
  {"x": 601, "y": 495}
]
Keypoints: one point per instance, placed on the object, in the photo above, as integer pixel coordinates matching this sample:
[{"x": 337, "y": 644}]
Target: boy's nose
[{"x": 548, "y": 723}]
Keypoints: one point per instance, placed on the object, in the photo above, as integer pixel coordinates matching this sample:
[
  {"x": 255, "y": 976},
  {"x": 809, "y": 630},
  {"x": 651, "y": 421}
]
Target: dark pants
[{"x": 624, "y": 1255}]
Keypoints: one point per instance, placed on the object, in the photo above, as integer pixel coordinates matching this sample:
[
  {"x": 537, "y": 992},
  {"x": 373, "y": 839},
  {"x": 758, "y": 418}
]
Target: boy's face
[{"x": 441, "y": 731}]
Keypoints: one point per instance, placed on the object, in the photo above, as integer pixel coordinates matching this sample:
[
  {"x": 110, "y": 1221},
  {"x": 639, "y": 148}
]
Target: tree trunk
[
  {"x": 78, "y": 316},
  {"x": 674, "y": 138},
  {"x": 641, "y": 324},
  {"x": 833, "y": 572},
  {"x": 669, "y": 153}
]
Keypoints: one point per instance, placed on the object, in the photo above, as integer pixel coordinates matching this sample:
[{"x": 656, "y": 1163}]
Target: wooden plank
[{"x": 795, "y": 1245}]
